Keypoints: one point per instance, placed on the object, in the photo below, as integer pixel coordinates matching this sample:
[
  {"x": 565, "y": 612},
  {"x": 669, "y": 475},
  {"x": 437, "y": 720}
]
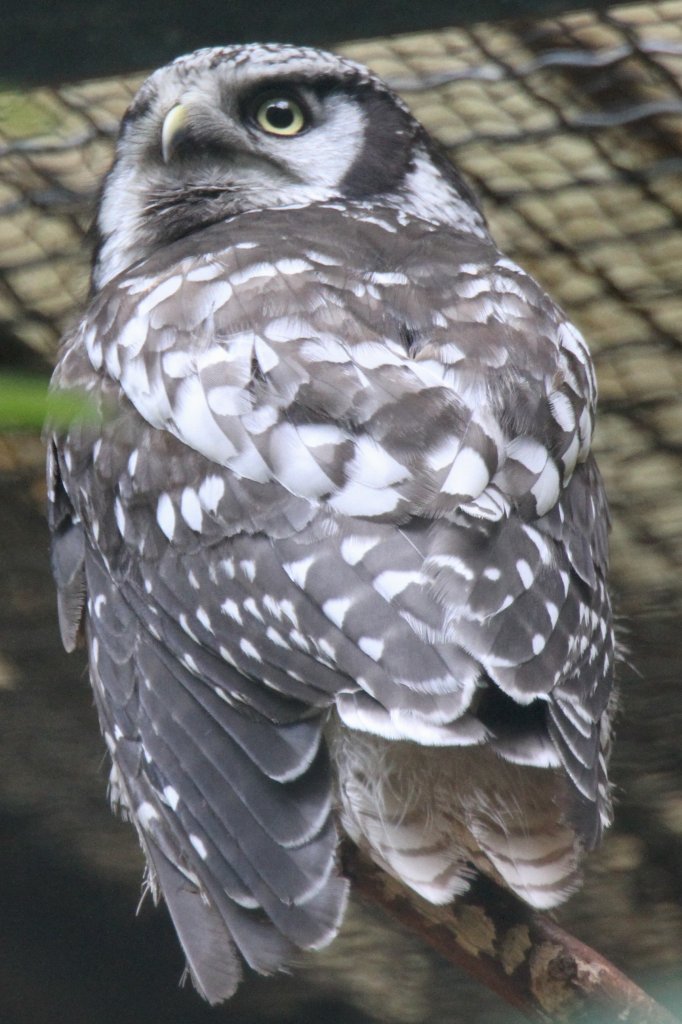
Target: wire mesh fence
[{"x": 570, "y": 129}]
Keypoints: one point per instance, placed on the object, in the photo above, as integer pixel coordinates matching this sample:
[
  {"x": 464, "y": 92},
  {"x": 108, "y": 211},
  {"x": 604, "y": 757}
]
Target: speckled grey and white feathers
[{"x": 339, "y": 499}]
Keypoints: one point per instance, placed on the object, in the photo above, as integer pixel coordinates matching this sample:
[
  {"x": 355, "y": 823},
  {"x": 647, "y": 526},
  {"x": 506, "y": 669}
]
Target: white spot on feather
[
  {"x": 454, "y": 563},
  {"x": 444, "y": 454},
  {"x": 226, "y": 656},
  {"x": 321, "y": 257},
  {"x": 393, "y": 581},
  {"x": 198, "y": 845},
  {"x": 178, "y": 364},
  {"x": 120, "y": 517},
  {"x": 133, "y": 335},
  {"x": 204, "y": 272},
  {"x": 545, "y": 490},
  {"x": 249, "y": 650},
  {"x": 146, "y": 813},
  {"x": 195, "y": 425},
  {"x": 372, "y": 647},
  {"x": 229, "y": 400},
  {"x": 252, "y": 608},
  {"x": 354, "y": 549},
  {"x": 211, "y": 492},
  {"x": 288, "y": 328},
  {"x": 314, "y": 435},
  {"x": 562, "y": 411},
  {"x": 357, "y": 499},
  {"x": 165, "y": 515},
  {"x": 218, "y": 294},
  {"x": 266, "y": 356},
  {"x": 171, "y": 797},
  {"x": 373, "y": 466},
  {"x": 248, "y": 567},
  {"x": 301, "y": 641},
  {"x": 190, "y": 509},
  {"x": 158, "y": 294},
  {"x": 323, "y": 349},
  {"x": 336, "y": 608},
  {"x": 540, "y": 543},
  {"x": 258, "y": 420},
  {"x": 388, "y": 278},
  {"x": 469, "y": 474},
  {"x": 525, "y": 572},
  {"x": 474, "y": 287},
  {"x": 326, "y": 648},
  {"x": 298, "y": 571},
  {"x": 295, "y": 467},
  {"x": 231, "y": 608},
  {"x": 239, "y": 277},
  {"x": 184, "y": 625},
  {"x": 276, "y": 637},
  {"x": 570, "y": 457},
  {"x": 288, "y": 609},
  {"x": 272, "y": 606},
  {"x": 372, "y": 354},
  {"x": 538, "y": 643},
  {"x": 292, "y": 266},
  {"x": 528, "y": 452},
  {"x": 203, "y": 618}
]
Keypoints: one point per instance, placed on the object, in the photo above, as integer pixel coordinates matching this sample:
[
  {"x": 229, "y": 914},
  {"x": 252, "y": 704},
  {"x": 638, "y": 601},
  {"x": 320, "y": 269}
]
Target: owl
[{"x": 330, "y": 529}]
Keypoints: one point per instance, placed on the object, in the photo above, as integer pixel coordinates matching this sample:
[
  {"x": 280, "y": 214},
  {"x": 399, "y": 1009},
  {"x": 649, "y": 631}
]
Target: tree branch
[{"x": 520, "y": 954}]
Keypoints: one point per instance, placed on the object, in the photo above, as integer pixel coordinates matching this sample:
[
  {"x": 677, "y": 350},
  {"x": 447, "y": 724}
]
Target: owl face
[{"x": 225, "y": 131}]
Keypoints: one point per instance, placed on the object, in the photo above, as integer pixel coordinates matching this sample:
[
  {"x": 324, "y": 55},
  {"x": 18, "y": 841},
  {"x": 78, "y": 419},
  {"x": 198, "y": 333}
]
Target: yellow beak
[{"x": 174, "y": 122}]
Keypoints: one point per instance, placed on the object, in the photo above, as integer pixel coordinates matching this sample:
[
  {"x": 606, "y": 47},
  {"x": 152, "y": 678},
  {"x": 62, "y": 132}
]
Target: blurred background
[{"x": 568, "y": 123}]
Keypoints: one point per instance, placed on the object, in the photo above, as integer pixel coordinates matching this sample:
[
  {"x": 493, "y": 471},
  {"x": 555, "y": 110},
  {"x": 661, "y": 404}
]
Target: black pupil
[{"x": 279, "y": 114}]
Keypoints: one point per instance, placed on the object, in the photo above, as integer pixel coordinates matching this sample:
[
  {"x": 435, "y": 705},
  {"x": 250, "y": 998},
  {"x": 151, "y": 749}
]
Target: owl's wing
[{"x": 227, "y": 781}]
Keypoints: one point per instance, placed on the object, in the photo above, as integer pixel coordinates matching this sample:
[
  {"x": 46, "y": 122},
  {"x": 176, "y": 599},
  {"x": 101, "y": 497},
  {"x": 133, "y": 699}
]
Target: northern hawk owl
[{"x": 334, "y": 540}]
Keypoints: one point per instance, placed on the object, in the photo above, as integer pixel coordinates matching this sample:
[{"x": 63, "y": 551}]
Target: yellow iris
[{"x": 279, "y": 115}]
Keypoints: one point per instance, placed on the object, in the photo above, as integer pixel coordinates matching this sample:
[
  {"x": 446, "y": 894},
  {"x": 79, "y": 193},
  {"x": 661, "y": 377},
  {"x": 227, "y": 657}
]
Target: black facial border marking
[{"x": 385, "y": 157}]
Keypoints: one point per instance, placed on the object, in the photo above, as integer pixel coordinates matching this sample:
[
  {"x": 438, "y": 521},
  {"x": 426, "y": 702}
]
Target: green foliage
[{"x": 25, "y": 404}]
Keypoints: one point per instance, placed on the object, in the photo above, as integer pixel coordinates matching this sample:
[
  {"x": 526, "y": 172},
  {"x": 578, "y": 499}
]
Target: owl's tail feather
[{"x": 213, "y": 963}]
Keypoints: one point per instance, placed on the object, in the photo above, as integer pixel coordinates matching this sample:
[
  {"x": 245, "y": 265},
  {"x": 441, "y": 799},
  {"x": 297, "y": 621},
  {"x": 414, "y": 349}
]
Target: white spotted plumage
[{"x": 340, "y": 532}]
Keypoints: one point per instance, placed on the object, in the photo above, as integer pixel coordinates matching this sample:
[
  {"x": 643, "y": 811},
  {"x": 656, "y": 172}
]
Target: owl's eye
[{"x": 280, "y": 115}]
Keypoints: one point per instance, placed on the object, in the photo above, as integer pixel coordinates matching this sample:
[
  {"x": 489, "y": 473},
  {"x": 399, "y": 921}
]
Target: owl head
[{"x": 230, "y": 130}]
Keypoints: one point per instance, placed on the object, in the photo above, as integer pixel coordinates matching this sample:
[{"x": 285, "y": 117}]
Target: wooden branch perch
[{"x": 517, "y": 952}]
